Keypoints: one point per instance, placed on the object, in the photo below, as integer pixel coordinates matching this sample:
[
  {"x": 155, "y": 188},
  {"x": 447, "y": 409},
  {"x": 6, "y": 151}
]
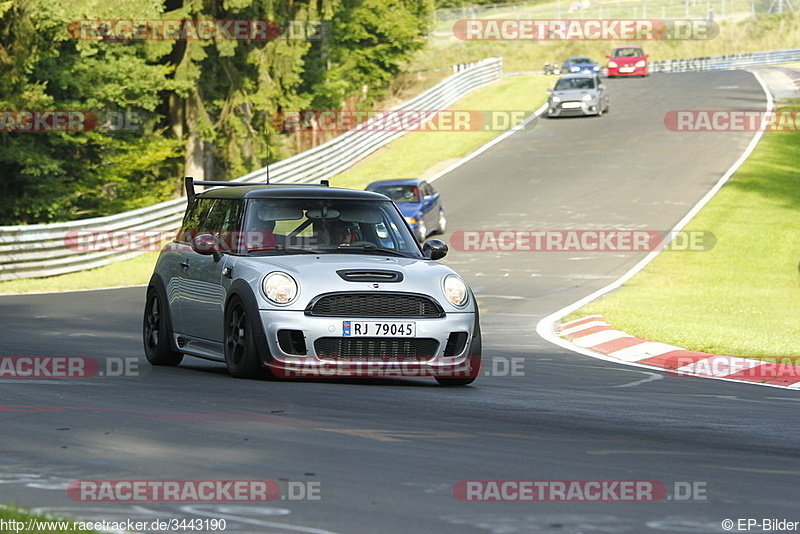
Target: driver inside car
[{"x": 340, "y": 233}]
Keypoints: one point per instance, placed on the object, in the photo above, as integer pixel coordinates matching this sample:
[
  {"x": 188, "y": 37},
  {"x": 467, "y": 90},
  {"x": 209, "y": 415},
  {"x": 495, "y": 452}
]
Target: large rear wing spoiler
[{"x": 189, "y": 184}]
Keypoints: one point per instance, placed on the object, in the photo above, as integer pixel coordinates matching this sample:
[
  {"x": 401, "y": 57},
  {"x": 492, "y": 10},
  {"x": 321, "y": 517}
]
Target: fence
[
  {"x": 732, "y": 61},
  {"x": 43, "y": 250}
]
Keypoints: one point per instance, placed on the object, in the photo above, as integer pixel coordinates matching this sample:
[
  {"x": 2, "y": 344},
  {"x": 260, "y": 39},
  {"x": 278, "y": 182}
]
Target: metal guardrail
[
  {"x": 58, "y": 248},
  {"x": 732, "y": 61}
]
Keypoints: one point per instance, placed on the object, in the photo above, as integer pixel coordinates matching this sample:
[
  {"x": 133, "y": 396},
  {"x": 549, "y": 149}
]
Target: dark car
[
  {"x": 419, "y": 203},
  {"x": 308, "y": 280},
  {"x": 579, "y": 64}
]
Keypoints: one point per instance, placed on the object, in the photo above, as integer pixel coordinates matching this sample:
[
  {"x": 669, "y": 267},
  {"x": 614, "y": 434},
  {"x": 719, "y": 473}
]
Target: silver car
[
  {"x": 578, "y": 94},
  {"x": 308, "y": 280}
]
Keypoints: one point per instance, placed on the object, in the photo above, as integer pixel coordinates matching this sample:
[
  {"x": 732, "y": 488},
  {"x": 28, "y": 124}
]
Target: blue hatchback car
[
  {"x": 419, "y": 202},
  {"x": 580, "y": 64}
]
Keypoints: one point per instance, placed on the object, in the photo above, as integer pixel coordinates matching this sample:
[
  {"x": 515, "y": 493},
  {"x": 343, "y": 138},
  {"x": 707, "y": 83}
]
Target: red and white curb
[{"x": 595, "y": 334}]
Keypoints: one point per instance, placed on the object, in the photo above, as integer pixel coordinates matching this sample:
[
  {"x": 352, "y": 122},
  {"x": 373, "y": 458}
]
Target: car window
[
  {"x": 222, "y": 222},
  {"x": 399, "y": 193},
  {"x": 194, "y": 219},
  {"x": 566, "y": 84},
  {"x": 628, "y": 52},
  {"x": 328, "y": 226}
]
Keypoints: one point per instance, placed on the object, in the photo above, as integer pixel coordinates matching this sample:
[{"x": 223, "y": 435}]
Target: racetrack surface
[{"x": 387, "y": 453}]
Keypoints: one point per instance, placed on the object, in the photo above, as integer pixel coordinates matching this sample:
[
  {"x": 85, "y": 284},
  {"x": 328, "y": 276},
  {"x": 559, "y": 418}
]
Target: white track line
[{"x": 546, "y": 328}]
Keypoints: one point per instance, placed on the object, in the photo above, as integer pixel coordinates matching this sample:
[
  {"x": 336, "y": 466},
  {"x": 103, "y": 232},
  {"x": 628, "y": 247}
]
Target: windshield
[
  {"x": 628, "y": 52},
  {"x": 566, "y": 84},
  {"x": 578, "y": 60},
  {"x": 400, "y": 194},
  {"x": 295, "y": 226}
]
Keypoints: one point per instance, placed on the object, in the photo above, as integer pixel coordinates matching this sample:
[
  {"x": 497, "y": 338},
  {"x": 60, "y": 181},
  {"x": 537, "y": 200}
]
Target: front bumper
[
  {"x": 627, "y": 71},
  {"x": 286, "y": 359},
  {"x": 573, "y": 108}
]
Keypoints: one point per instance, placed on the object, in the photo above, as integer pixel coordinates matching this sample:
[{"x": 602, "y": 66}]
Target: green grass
[
  {"x": 740, "y": 298},
  {"x": 424, "y": 153},
  {"x": 135, "y": 271},
  {"x": 13, "y": 513}
]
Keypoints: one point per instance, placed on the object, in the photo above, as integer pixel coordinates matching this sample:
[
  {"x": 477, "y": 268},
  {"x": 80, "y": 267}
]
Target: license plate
[
  {"x": 571, "y": 105},
  {"x": 379, "y": 329},
  {"x": 627, "y": 69}
]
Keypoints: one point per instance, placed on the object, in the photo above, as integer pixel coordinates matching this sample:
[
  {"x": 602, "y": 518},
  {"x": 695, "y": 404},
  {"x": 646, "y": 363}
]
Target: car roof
[
  {"x": 398, "y": 181},
  {"x": 627, "y": 46},
  {"x": 582, "y": 58},
  {"x": 289, "y": 191}
]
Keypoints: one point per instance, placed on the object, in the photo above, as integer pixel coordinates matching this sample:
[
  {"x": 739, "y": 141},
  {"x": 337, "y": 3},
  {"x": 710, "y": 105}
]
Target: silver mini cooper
[{"x": 296, "y": 280}]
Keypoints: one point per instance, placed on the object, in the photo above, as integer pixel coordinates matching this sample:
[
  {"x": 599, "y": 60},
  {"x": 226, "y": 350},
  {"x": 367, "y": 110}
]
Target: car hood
[
  {"x": 626, "y": 60},
  {"x": 317, "y": 274},
  {"x": 574, "y": 94}
]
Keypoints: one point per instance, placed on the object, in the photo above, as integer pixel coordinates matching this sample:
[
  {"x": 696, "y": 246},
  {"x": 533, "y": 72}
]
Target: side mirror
[
  {"x": 207, "y": 245},
  {"x": 434, "y": 249},
  {"x": 608, "y": 57},
  {"x": 549, "y": 89}
]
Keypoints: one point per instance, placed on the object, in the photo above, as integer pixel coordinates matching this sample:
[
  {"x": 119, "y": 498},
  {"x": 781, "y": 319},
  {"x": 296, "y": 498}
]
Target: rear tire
[
  {"x": 157, "y": 331},
  {"x": 241, "y": 355}
]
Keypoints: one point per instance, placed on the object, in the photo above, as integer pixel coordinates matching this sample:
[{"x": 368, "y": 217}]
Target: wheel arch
[
  {"x": 157, "y": 284},
  {"x": 244, "y": 292}
]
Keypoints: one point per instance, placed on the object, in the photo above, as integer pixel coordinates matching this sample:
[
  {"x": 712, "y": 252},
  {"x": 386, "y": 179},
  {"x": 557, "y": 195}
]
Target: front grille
[
  {"x": 376, "y": 348},
  {"x": 374, "y": 305}
]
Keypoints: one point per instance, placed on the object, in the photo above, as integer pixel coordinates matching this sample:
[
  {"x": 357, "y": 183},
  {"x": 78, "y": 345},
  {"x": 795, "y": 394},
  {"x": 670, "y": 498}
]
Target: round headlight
[
  {"x": 455, "y": 290},
  {"x": 279, "y": 287},
  {"x": 612, "y": 64},
  {"x": 641, "y": 63},
  {"x": 556, "y": 99}
]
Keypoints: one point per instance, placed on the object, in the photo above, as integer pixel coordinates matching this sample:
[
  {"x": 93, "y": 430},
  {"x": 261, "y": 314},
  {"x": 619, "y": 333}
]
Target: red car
[{"x": 627, "y": 60}]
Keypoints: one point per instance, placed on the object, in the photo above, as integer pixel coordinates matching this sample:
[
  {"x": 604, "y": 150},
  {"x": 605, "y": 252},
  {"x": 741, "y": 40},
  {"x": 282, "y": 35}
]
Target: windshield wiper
[
  {"x": 371, "y": 248},
  {"x": 284, "y": 248}
]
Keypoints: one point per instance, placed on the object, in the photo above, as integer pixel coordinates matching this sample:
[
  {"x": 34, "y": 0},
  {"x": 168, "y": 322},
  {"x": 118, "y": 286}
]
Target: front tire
[
  {"x": 422, "y": 231},
  {"x": 442, "y": 222},
  {"x": 241, "y": 355},
  {"x": 157, "y": 331}
]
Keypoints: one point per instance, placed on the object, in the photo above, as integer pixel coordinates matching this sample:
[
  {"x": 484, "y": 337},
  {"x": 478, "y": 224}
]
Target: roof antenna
[{"x": 269, "y": 152}]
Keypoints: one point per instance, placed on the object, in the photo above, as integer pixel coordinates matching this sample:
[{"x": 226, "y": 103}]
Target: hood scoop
[{"x": 370, "y": 275}]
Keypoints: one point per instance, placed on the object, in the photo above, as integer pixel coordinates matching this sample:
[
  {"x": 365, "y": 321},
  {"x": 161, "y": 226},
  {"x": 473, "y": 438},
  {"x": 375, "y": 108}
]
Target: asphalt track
[{"x": 387, "y": 454}]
